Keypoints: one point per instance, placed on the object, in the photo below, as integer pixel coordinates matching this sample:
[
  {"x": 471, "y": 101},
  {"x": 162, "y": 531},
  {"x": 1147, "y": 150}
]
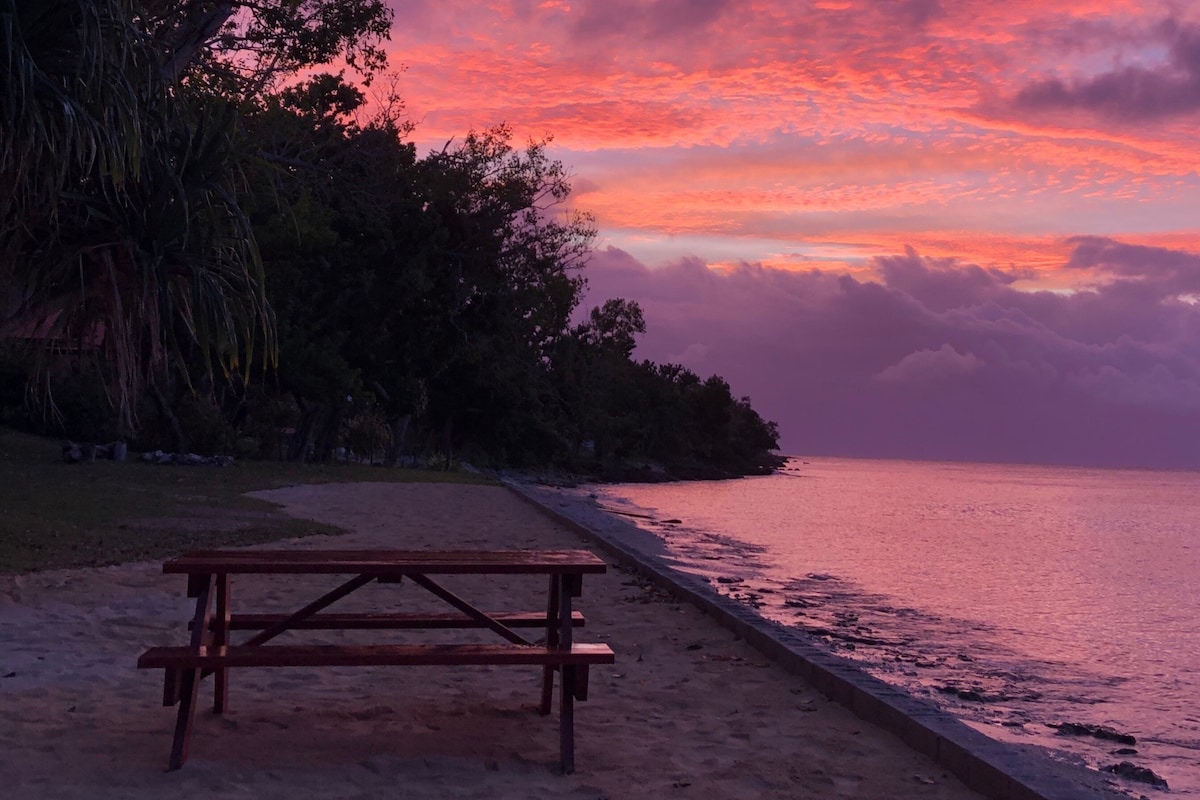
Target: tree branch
[{"x": 201, "y": 26}]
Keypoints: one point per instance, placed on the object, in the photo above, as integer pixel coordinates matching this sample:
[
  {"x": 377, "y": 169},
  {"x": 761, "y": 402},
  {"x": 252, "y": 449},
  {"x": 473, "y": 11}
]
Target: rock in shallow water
[
  {"x": 1098, "y": 731},
  {"x": 1133, "y": 772}
]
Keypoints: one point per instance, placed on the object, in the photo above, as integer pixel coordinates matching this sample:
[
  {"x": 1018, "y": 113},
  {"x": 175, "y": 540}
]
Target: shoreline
[{"x": 993, "y": 768}]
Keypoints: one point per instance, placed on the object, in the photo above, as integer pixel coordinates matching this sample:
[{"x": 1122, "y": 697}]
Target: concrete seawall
[{"x": 995, "y": 769}]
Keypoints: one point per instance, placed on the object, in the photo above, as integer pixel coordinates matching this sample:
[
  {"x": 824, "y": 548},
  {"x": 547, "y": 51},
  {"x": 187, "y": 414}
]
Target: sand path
[{"x": 688, "y": 710}]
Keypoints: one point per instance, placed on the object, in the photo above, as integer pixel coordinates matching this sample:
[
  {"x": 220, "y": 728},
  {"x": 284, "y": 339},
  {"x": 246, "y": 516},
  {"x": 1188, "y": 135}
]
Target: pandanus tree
[{"x": 121, "y": 169}]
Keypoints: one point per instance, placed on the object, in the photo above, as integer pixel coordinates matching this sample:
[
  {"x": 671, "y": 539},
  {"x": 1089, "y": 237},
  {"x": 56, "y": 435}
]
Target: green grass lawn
[{"x": 54, "y": 514}]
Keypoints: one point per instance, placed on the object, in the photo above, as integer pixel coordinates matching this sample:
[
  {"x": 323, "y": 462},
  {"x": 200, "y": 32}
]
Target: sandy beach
[{"x": 687, "y": 711}]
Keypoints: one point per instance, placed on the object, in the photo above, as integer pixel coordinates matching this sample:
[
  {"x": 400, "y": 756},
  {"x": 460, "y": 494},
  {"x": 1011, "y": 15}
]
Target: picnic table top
[{"x": 386, "y": 562}]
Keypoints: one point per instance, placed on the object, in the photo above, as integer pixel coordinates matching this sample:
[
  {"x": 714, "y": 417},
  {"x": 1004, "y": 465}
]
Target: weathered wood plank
[
  {"x": 389, "y": 563},
  {"x": 372, "y": 655},
  {"x": 219, "y": 625},
  {"x": 388, "y": 621},
  {"x": 552, "y": 629},
  {"x": 187, "y": 684},
  {"x": 474, "y": 613}
]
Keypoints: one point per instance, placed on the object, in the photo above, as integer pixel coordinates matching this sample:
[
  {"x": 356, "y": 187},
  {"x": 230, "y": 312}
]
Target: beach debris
[
  {"x": 612, "y": 510},
  {"x": 727, "y": 579},
  {"x": 1097, "y": 731},
  {"x": 186, "y": 459},
  {"x": 971, "y": 695},
  {"x": 858, "y": 636},
  {"x": 752, "y": 599},
  {"x": 1131, "y": 771},
  {"x": 977, "y": 694},
  {"x": 649, "y": 593},
  {"x": 86, "y": 452}
]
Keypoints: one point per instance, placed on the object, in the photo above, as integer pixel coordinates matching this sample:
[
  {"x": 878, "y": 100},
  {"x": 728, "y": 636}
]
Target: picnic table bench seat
[
  {"x": 177, "y": 659},
  {"x": 369, "y": 655}
]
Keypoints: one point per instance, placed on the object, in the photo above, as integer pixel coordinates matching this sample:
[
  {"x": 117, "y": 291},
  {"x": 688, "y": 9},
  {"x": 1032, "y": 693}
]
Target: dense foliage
[{"x": 194, "y": 213}]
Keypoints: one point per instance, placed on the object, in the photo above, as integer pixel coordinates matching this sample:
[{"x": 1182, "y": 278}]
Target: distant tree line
[{"x": 200, "y": 252}]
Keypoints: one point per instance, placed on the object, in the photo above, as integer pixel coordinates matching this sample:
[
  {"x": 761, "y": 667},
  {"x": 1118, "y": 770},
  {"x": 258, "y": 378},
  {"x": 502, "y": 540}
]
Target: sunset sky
[{"x": 909, "y": 228}]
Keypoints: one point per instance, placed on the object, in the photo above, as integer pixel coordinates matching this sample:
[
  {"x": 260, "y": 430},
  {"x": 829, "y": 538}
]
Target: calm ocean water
[{"x": 1015, "y": 597}]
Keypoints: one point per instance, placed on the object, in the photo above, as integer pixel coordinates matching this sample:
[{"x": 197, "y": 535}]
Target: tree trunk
[
  {"x": 446, "y": 430},
  {"x": 329, "y": 432},
  {"x": 395, "y": 449},
  {"x": 201, "y": 26},
  {"x": 308, "y": 417},
  {"x": 178, "y": 441}
]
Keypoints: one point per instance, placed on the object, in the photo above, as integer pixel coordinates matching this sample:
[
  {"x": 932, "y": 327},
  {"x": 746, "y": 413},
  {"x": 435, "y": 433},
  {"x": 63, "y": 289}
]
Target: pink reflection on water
[{"x": 1057, "y": 594}]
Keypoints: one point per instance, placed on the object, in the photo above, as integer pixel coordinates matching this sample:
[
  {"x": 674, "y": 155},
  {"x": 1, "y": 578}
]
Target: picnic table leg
[
  {"x": 189, "y": 684},
  {"x": 566, "y": 720},
  {"x": 221, "y": 639},
  {"x": 552, "y": 628},
  {"x": 569, "y": 586}
]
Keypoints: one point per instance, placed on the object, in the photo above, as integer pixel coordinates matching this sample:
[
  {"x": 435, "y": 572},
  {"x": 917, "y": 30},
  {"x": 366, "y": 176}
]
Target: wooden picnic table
[{"x": 211, "y": 652}]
